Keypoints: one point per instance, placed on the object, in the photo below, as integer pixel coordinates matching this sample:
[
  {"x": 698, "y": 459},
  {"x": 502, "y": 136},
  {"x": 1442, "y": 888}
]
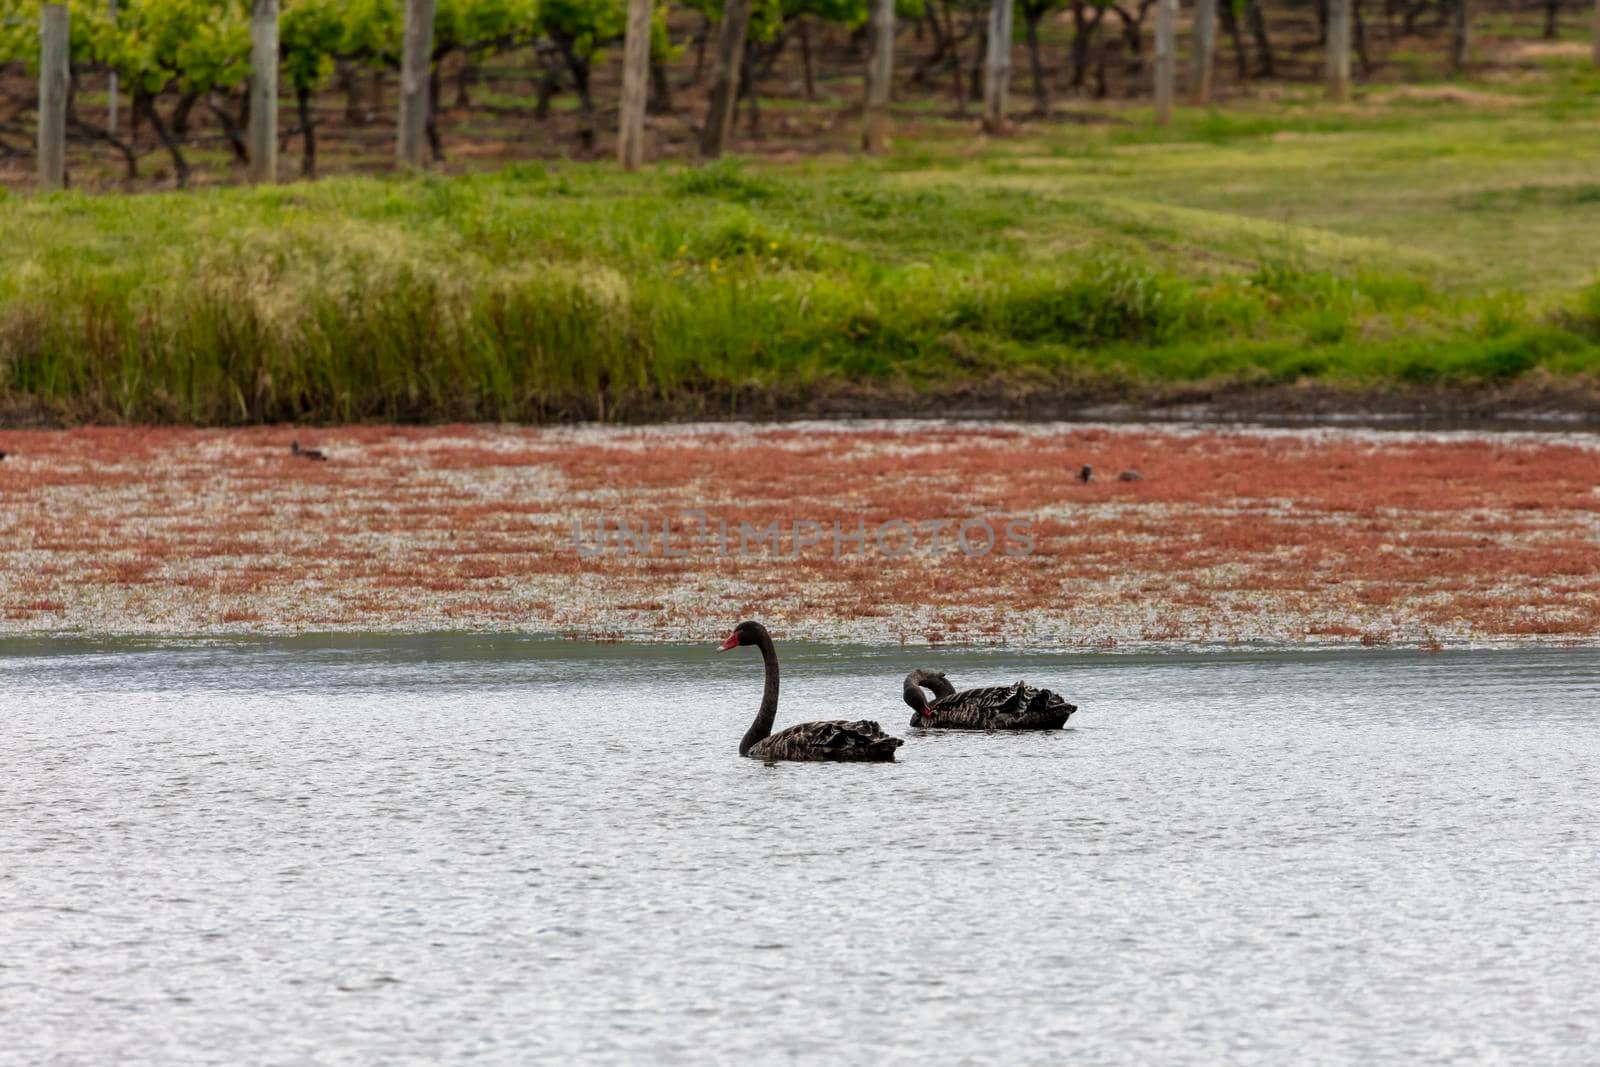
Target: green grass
[{"x": 1403, "y": 240}]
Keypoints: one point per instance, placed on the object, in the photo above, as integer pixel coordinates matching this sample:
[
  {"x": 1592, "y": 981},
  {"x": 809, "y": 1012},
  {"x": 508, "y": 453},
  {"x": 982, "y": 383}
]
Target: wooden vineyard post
[
  {"x": 1166, "y": 58},
  {"x": 1460, "y": 36},
  {"x": 1338, "y": 71},
  {"x": 997, "y": 66},
  {"x": 1205, "y": 49},
  {"x": 635, "y": 85},
  {"x": 416, "y": 57},
  {"x": 880, "y": 75},
  {"x": 54, "y": 31},
  {"x": 264, "y": 91}
]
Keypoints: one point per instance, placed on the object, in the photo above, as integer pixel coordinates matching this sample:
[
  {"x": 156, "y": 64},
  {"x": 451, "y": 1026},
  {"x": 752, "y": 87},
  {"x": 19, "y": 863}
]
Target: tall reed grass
[{"x": 545, "y": 296}]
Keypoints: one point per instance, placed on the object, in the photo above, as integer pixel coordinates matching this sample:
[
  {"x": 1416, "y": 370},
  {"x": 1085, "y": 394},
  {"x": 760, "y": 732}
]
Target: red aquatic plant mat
[{"x": 1227, "y": 535}]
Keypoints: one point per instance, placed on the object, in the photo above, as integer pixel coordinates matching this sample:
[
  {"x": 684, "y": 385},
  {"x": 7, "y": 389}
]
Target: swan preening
[
  {"x": 832, "y": 740},
  {"x": 1000, "y": 707}
]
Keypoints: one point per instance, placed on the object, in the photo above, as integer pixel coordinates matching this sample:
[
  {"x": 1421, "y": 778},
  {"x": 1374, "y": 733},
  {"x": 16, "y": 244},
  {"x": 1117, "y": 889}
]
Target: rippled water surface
[{"x": 434, "y": 849}]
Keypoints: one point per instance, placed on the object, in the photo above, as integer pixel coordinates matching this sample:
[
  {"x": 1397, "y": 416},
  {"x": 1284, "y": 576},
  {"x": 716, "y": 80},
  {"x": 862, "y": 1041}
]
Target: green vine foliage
[
  {"x": 311, "y": 34},
  {"x": 205, "y": 44},
  {"x": 768, "y": 17},
  {"x": 478, "y": 24},
  {"x": 584, "y": 25},
  {"x": 373, "y": 30},
  {"x": 19, "y": 34},
  {"x": 197, "y": 45}
]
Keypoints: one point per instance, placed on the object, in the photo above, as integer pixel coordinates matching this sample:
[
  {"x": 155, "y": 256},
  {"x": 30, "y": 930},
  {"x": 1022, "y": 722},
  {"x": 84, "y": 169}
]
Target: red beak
[{"x": 731, "y": 642}]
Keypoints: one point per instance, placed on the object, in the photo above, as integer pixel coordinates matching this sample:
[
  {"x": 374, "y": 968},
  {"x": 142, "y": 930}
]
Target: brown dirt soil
[
  {"x": 1529, "y": 51},
  {"x": 1533, "y": 401},
  {"x": 1321, "y": 537},
  {"x": 1448, "y": 94}
]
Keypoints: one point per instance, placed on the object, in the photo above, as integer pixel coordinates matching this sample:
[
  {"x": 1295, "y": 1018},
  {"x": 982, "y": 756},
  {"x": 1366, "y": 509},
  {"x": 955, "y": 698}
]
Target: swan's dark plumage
[
  {"x": 838, "y": 740},
  {"x": 834, "y": 740},
  {"x": 1000, "y": 707}
]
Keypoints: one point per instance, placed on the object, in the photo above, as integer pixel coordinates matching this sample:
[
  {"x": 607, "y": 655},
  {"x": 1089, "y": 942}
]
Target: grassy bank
[{"x": 1413, "y": 239}]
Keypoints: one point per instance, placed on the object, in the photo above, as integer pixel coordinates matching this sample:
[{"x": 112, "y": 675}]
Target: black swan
[
  {"x": 305, "y": 453},
  {"x": 999, "y": 707},
  {"x": 835, "y": 740}
]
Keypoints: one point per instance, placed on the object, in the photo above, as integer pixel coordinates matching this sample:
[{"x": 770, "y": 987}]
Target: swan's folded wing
[
  {"x": 837, "y": 733},
  {"x": 832, "y": 739},
  {"x": 990, "y": 698},
  {"x": 1002, "y": 707},
  {"x": 831, "y": 735},
  {"x": 978, "y": 707}
]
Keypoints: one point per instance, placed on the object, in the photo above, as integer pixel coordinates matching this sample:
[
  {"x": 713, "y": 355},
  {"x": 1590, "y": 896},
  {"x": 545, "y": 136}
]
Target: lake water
[{"x": 516, "y": 851}]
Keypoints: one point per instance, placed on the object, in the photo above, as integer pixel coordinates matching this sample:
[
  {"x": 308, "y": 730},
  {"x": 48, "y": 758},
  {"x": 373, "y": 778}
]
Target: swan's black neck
[{"x": 761, "y": 728}]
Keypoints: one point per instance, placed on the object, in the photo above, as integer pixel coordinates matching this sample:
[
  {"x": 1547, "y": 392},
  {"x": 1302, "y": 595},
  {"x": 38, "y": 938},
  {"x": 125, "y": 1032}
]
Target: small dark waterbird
[
  {"x": 306, "y": 453},
  {"x": 1000, "y": 707},
  {"x": 1086, "y": 475},
  {"x": 835, "y": 740}
]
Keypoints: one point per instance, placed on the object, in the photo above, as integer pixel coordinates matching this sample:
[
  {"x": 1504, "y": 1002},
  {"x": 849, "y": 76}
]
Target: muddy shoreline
[
  {"x": 1515, "y": 406},
  {"x": 1531, "y": 404}
]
